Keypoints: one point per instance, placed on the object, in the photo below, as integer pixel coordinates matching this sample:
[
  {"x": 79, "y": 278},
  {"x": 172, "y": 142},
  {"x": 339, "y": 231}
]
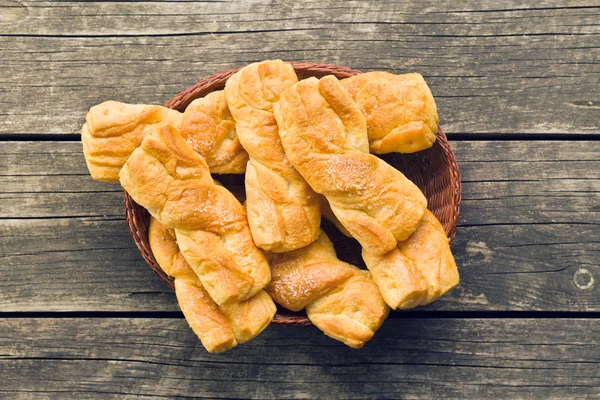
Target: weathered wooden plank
[
  {"x": 82, "y": 264},
  {"x": 503, "y": 182},
  {"x": 494, "y": 67},
  {"x": 408, "y": 358},
  {"x": 527, "y": 239},
  {"x": 55, "y": 264},
  {"x": 104, "y": 18}
]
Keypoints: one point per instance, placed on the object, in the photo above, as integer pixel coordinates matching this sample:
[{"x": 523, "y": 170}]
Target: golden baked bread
[
  {"x": 210, "y": 129},
  {"x": 419, "y": 270},
  {"x": 400, "y": 110},
  {"x": 325, "y": 138},
  {"x": 113, "y": 130},
  {"x": 304, "y": 147},
  {"x": 340, "y": 299},
  {"x": 219, "y": 328},
  {"x": 283, "y": 211},
  {"x": 168, "y": 178}
]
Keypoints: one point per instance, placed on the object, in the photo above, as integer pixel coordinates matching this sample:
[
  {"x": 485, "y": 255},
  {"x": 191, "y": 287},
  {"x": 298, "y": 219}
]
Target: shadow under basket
[{"x": 434, "y": 171}]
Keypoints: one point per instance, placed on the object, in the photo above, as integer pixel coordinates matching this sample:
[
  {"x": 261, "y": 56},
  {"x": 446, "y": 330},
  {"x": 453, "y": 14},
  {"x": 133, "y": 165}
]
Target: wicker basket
[{"x": 434, "y": 170}]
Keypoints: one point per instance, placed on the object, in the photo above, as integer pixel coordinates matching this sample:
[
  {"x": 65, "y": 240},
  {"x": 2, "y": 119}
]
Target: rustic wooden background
[{"x": 517, "y": 85}]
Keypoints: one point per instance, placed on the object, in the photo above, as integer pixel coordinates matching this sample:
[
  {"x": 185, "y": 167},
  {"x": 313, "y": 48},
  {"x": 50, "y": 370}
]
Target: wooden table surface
[{"x": 517, "y": 85}]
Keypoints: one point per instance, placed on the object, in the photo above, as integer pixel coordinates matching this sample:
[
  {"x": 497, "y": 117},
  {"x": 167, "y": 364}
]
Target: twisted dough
[
  {"x": 340, "y": 299},
  {"x": 419, "y": 270},
  {"x": 219, "y": 328},
  {"x": 168, "y": 178},
  {"x": 114, "y": 130},
  {"x": 324, "y": 136},
  {"x": 283, "y": 211},
  {"x": 210, "y": 129},
  {"x": 400, "y": 110}
]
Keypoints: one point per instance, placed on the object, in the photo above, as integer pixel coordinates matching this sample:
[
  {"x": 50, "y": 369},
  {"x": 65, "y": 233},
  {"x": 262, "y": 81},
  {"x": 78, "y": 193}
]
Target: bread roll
[
  {"x": 113, "y": 130},
  {"x": 168, "y": 178},
  {"x": 340, "y": 299},
  {"x": 419, "y": 270},
  {"x": 283, "y": 211},
  {"x": 324, "y": 136},
  {"x": 400, "y": 110},
  {"x": 210, "y": 129},
  {"x": 218, "y": 328}
]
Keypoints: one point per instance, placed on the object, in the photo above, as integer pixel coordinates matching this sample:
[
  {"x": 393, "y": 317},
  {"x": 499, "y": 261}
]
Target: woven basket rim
[{"x": 138, "y": 225}]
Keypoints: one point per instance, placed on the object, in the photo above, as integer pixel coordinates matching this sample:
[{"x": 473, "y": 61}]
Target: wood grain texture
[
  {"x": 527, "y": 237},
  {"x": 408, "y": 358},
  {"x": 494, "y": 67}
]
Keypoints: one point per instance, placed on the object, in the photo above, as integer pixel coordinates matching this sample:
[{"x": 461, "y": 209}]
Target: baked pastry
[
  {"x": 305, "y": 149},
  {"x": 419, "y": 270},
  {"x": 340, "y": 299},
  {"x": 283, "y": 211},
  {"x": 324, "y": 136},
  {"x": 219, "y": 328},
  {"x": 113, "y": 130},
  {"x": 400, "y": 110},
  {"x": 168, "y": 178},
  {"x": 210, "y": 129}
]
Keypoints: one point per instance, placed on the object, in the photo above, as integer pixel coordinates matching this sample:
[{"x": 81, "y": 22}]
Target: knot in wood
[{"x": 583, "y": 279}]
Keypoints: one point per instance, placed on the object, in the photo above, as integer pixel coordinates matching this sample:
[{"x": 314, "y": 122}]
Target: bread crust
[
  {"x": 283, "y": 211},
  {"x": 400, "y": 110},
  {"x": 340, "y": 299},
  {"x": 419, "y": 270},
  {"x": 113, "y": 130},
  {"x": 210, "y": 129},
  {"x": 218, "y": 328},
  {"x": 168, "y": 178},
  {"x": 324, "y": 136}
]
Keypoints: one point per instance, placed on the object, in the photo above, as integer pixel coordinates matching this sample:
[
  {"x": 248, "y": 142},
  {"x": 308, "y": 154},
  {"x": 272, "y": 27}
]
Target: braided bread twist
[
  {"x": 219, "y": 328},
  {"x": 417, "y": 271},
  {"x": 340, "y": 299},
  {"x": 168, "y": 178},
  {"x": 113, "y": 130},
  {"x": 324, "y": 136},
  {"x": 283, "y": 211},
  {"x": 400, "y": 110},
  {"x": 209, "y": 128}
]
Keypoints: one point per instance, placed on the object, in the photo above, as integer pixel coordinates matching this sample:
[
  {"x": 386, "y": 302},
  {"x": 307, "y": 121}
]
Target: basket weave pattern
[{"x": 434, "y": 171}]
